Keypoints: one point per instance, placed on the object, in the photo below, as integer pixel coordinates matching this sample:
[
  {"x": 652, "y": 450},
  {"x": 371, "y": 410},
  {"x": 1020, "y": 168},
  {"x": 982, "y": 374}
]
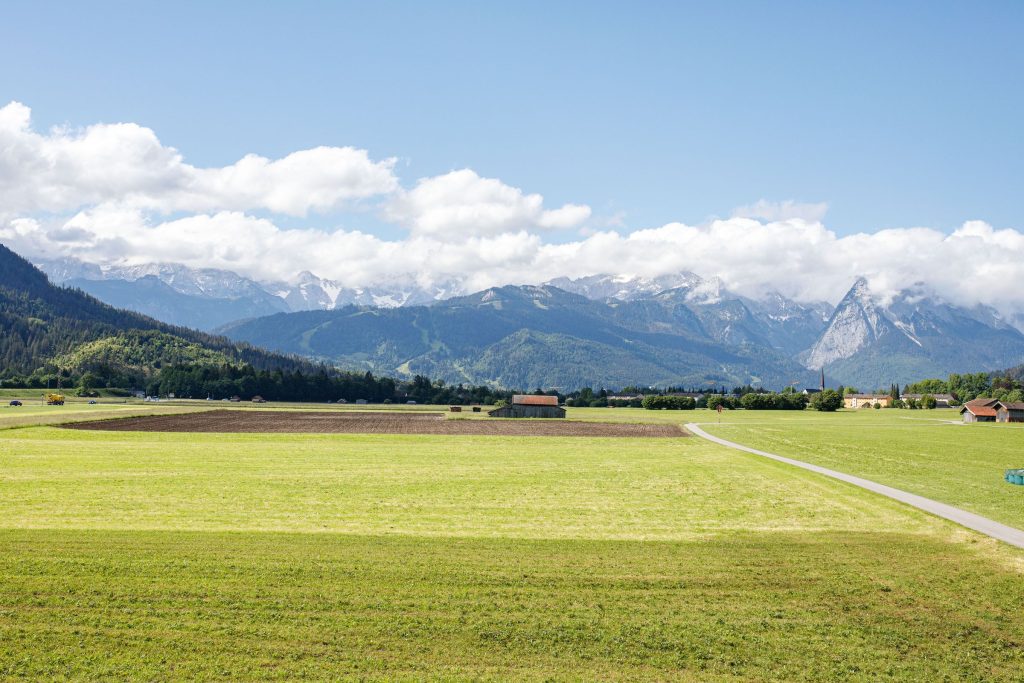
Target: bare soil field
[{"x": 251, "y": 421}]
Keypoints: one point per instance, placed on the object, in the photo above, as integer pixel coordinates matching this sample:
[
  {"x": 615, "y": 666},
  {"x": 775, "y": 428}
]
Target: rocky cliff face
[
  {"x": 872, "y": 342},
  {"x": 856, "y": 322}
]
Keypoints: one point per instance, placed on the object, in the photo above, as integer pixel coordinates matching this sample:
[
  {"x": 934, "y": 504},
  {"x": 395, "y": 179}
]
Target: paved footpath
[{"x": 970, "y": 520}]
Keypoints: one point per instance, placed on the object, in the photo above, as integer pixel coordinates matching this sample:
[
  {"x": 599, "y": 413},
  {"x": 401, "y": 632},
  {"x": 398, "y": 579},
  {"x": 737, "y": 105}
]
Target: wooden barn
[
  {"x": 1007, "y": 411},
  {"x": 980, "y": 410},
  {"x": 524, "y": 405}
]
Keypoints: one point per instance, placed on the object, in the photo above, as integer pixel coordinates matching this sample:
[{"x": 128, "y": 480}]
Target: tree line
[{"x": 245, "y": 382}]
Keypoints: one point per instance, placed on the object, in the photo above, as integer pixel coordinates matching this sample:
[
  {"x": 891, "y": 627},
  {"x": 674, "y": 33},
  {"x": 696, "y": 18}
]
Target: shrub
[
  {"x": 715, "y": 400},
  {"x": 827, "y": 401}
]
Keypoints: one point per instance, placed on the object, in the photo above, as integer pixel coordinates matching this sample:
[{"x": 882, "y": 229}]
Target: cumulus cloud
[
  {"x": 461, "y": 203},
  {"x": 782, "y": 211},
  {"x": 802, "y": 260},
  {"x": 113, "y": 194},
  {"x": 67, "y": 169}
]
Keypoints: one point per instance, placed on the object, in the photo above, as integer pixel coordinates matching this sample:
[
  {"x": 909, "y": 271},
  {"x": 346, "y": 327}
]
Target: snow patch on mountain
[{"x": 624, "y": 287}]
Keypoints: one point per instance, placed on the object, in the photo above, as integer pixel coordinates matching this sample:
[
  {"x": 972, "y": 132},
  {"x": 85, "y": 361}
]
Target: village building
[
  {"x": 809, "y": 391},
  {"x": 941, "y": 400},
  {"x": 524, "y": 405},
  {"x": 626, "y": 397},
  {"x": 861, "y": 400}
]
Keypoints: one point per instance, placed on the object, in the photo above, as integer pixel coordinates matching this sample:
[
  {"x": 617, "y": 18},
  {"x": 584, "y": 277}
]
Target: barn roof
[
  {"x": 1012, "y": 405},
  {"x": 982, "y": 402},
  {"x": 979, "y": 410},
  {"x": 528, "y": 400}
]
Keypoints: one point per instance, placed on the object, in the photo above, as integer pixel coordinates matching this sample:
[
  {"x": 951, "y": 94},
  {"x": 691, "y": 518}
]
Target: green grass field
[
  {"x": 34, "y": 414},
  {"x": 918, "y": 451},
  {"x": 167, "y": 556}
]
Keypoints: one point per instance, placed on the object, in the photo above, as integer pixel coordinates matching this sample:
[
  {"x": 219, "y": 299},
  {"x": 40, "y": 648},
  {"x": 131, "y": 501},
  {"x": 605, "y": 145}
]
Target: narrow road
[{"x": 989, "y": 527}]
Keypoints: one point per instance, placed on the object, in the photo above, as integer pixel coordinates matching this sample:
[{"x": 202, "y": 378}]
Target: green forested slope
[{"x": 42, "y": 325}]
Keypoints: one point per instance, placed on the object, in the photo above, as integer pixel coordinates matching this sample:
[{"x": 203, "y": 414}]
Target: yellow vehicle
[{"x": 55, "y": 399}]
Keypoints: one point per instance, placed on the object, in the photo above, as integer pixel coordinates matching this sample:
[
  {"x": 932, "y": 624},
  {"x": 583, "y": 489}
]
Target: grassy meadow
[
  {"x": 278, "y": 556},
  {"x": 928, "y": 452}
]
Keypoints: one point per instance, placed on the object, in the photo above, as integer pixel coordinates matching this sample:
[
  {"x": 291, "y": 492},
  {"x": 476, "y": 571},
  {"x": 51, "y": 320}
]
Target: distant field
[
  {"x": 34, "y": 414},
  {"x": 919, "y": 451},
  {"x": 132, "y": 555},
  {"x": 372, "y": 422}
]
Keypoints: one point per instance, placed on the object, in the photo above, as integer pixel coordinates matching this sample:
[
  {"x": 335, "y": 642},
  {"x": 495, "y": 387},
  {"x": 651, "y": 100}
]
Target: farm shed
[
  {"x": 1007, "y": 411},
  {"x": 530, "y": 406},
  {"x": 980, "y": 410}
]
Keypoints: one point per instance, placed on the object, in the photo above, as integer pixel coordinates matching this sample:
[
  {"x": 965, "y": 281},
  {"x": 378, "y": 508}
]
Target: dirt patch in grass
[{"x": 313, "y": 422}]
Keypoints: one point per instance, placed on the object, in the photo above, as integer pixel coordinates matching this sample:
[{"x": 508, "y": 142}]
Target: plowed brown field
[{"x": 259, "y": 421}]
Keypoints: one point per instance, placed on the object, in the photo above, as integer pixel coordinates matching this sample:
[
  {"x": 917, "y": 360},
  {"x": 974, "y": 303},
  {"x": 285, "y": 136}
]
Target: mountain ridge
[
  {"x": 914, "y": 334},
  {"x": 43, "y": 323},
  {"x": 573, "y": 341},
  {"x": 867, "y": 340}
]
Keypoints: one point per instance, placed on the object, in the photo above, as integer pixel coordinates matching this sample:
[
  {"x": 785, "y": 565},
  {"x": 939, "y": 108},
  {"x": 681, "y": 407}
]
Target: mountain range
[
  {"x": 207, "y": 298},
  {"x": 598, "y": 330},
  {"x": 530, "y": 336},
  {"x": 914, "y": 335}
]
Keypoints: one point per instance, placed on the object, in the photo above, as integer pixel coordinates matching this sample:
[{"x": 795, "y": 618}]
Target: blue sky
[
  {"x": 788, "y": 147},
  {"x": 895, "y": 114}
]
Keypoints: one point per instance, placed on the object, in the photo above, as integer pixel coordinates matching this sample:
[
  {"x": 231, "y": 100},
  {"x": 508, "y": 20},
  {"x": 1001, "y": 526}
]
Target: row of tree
[
  {"x": 1005, "y": 386},
  {"x": 227, "y": 381},
  {"x": 760, "y": 400},
  {"x": 655, "y": 402}
]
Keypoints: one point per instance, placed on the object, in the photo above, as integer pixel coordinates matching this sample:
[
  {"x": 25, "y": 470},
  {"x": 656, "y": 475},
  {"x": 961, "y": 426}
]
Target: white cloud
[
  {"x": 782, "y": 211},
  {"x": 806, "y": 261},
  {"x": 461, "y": 203},
  {"x": 102, "y": 194},
  {"x": 65, "y": 170}
]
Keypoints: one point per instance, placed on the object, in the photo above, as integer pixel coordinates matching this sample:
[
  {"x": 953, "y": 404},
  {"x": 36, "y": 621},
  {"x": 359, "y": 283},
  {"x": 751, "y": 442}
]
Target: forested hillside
[{"x": 46, "y": 329}]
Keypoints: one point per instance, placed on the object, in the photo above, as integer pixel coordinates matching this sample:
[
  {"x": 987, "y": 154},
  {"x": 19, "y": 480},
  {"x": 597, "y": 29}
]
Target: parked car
[
  {"x": 92, "y": 403},
  {"x": 15, "y": 403}
]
